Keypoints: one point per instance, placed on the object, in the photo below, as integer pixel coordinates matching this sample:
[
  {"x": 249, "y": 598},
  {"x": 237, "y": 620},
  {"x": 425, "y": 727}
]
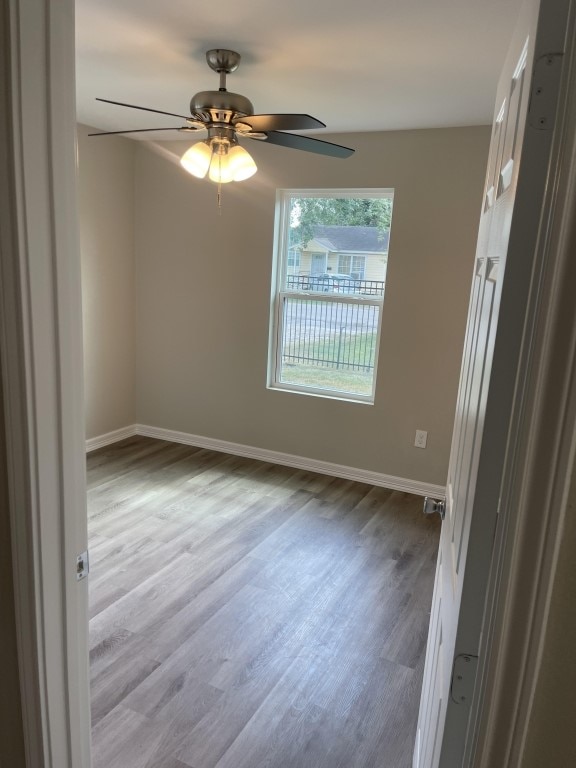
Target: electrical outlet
[{"x": 421, "y": 438}]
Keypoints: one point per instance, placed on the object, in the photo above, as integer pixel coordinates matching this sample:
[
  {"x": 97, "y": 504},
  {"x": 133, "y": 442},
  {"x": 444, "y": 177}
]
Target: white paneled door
[{"x": 519, "y": 159}]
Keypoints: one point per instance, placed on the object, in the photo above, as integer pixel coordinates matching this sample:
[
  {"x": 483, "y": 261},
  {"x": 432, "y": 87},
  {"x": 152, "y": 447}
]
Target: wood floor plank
[
  {"x": 113, "y": 684},
  {"x": 267, "y": 734},
  {"x": 212, "y": 739},
  {"x": 249, "y": 615},
  {"x": 163, "y": 638},
  {"x": 123, "y": 739}
]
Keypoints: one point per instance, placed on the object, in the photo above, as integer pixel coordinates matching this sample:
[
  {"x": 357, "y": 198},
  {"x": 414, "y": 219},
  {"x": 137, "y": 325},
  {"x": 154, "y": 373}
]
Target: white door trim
[
  {"x": 540, "y": 465},
  {"x": 41, "y": 351}
]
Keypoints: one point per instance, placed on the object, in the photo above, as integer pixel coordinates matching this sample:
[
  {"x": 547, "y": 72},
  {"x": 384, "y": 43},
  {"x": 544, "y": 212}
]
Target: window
[
  {"x": 293, "y": 261},
  {"x": 326, "y": 316},
  {"x": 355, "y": 266}
]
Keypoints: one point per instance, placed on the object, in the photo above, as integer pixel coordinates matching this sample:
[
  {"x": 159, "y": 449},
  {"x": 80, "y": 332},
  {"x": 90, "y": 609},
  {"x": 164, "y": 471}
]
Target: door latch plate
[{"x": 82, "y": 565}]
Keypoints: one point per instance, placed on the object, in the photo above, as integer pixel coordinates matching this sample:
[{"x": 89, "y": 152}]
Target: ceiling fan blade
[
  {"x": 141, "y": 130},
  {"x": 146, "y": 109},
  {"x": 294, "y": 141},
  {"x": 281, "y": 122}
]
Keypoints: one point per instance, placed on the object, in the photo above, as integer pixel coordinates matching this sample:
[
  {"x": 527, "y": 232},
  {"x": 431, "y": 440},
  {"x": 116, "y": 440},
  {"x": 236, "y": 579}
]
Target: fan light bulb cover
[
  {"x": 220, "y": 163},
  {"x": 196, "y": 159},
  {"x": 220, "y": 170},
  {"x": 241, "y": 163}
]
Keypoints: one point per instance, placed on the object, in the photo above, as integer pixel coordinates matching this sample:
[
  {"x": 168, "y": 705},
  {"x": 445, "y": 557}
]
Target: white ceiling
[{"x": 357, "y": 65}]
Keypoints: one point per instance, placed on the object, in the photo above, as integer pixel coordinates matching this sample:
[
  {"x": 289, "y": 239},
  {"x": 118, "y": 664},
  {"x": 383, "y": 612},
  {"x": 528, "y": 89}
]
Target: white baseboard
[
  {"x": 274, "y": 457},
  {"x": 110, "y": 437},
  {"x": 298, "y": 462}
]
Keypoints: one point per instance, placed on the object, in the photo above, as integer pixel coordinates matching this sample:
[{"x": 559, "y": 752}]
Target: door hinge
[
  {"x": 463, "y": 678},
  {"x": 82, "y": 565},
  {"x": 544, "y": 93}
]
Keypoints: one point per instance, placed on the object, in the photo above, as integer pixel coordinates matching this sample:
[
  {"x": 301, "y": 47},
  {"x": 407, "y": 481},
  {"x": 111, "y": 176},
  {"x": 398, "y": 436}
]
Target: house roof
[{"x": 353, "y": 239}]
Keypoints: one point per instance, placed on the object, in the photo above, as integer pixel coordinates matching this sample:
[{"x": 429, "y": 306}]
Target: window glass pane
[
  {"x": 342, "y": 244},
  {"x": 329, "y": 344}
]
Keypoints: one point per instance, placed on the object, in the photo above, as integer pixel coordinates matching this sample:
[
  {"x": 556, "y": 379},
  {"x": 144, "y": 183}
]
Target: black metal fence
[
  {"x": 327, "y": 283},
  {"x": 330, "y": 334}
]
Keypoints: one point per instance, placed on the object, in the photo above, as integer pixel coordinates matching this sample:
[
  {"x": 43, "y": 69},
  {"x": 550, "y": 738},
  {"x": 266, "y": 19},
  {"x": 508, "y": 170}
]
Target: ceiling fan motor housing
[{"x": 220, "y": 106}]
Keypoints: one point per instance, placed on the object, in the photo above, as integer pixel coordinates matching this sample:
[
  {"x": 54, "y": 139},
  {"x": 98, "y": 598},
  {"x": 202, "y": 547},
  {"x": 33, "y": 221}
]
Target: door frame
[
  {"x": 40, "y": 334},
  {"x": 41, "y": 355}
]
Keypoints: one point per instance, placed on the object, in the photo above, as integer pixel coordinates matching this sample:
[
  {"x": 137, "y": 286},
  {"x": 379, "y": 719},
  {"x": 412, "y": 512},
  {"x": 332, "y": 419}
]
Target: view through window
[{"x": 330, "y": 276}]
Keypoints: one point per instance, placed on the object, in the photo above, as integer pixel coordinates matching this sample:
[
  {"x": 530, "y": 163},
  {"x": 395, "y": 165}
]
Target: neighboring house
[{"x": 361, "y": 252}]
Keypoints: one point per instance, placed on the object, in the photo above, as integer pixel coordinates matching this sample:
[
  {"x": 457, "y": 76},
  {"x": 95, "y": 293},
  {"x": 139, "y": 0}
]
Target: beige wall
[
  {"x": 203, "y": 290},
  {"x": 106, "y": 209}
]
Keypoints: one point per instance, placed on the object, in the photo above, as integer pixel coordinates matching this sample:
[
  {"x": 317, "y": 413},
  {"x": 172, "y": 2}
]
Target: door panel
[
  {"x": 494, "y": 155},
  {"x": 511, "y": 131},
  {"x": 461, "y": 472},
  {"x": 433, "y": 708}
]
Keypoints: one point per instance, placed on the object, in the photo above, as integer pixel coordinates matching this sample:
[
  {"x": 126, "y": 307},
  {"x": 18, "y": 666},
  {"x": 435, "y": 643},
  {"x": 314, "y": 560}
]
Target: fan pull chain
[{"x": 219, "y": 184}]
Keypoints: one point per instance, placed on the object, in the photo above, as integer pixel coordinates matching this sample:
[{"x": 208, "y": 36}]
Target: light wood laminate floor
[{"x": 246, "y": 615}]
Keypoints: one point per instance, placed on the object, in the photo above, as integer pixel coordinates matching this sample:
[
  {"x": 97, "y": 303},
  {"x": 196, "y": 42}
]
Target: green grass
[
  {"x": 334, "y": 353},
  {"x": 354, "y": 382}
]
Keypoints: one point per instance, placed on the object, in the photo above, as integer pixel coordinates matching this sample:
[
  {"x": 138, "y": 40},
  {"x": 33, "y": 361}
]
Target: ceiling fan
[{"x": 228, "y": 116}]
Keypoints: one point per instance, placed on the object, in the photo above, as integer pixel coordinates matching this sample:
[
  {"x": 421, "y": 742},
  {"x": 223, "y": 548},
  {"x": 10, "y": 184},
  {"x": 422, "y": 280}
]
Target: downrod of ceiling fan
[{"x": 223, "y": 61}]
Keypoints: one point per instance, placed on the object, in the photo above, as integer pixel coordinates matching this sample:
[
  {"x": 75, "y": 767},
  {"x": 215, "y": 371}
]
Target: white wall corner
[{"x": 110, "y": 437}]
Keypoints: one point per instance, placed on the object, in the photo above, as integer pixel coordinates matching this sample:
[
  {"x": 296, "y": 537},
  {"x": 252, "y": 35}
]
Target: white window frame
[{"x": 279, "y": 294}]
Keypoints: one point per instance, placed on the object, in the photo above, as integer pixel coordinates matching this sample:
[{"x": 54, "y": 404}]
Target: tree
[{"x": 309, "y": 212}]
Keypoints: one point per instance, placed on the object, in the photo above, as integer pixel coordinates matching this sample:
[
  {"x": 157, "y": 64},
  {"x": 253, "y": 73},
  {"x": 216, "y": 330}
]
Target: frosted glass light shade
[
  {"x": 241, "y": 163},
  {"x": 220, "y": 170},
  {"x": 196, "y": 160},
  {"x": 222, "y": 164}
]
